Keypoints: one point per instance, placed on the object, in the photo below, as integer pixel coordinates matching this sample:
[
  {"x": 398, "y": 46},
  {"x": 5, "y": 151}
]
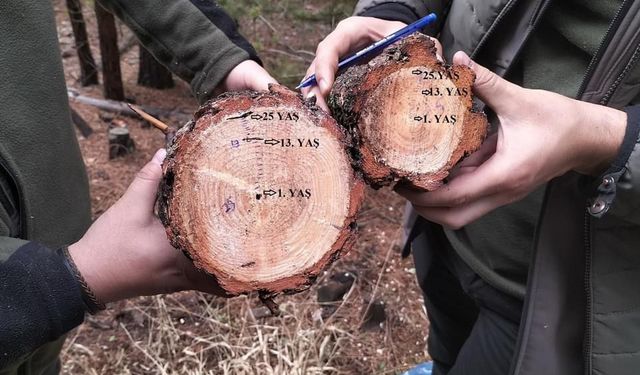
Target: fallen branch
[
  {"x": 81, "y": 124},
  {"x": 122, "y": 108}
]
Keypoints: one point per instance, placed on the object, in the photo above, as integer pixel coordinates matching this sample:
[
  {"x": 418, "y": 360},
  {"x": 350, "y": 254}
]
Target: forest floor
[{"x": 379, "y": 325}]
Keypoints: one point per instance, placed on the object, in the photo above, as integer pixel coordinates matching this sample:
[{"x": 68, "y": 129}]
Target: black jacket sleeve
[
  {"x": 407, "y": 11},
  {"x": 620, "y": 181},
  {"x": 39, "y": 301}
]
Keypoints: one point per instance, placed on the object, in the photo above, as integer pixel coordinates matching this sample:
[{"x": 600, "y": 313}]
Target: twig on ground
[{"x": 384, "y": 266}]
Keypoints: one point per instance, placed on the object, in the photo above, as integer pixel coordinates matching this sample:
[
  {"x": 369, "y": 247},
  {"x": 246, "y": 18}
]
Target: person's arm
[
  {"x": 39, "y": 301},
  {"x": 125, "y": 253},
  {"x": 541, "y": 135},
  {"x": 405, "y": 11},
  {"x": 617, "y": 190},
  {"x": 197, "y": 41}
]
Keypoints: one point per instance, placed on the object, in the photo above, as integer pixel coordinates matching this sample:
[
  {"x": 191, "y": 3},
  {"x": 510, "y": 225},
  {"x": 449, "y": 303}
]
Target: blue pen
[{"x": 382, "y": 43}]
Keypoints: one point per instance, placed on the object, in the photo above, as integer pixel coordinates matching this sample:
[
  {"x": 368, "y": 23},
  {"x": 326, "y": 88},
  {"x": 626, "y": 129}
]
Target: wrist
[
  {"x": 91, "y": 302},
  {"x": 115, "y": 273},
  {"x": 91, "y": 271},
  {"x": 603, "y": 131}
]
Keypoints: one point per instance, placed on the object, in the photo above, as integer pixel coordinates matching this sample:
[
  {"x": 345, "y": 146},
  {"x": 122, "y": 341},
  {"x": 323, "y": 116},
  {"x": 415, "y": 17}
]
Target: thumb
[
  {"x": 144, "y": 187},
  {"x": 493, "y": 90}
]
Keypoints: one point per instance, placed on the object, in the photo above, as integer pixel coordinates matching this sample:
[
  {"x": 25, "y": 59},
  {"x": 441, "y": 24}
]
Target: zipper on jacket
[
  {"x": 588, "y": 295},
  {"x": 533, "y": 24},
  {"x": 613, "y": 26},
  {"x": 493, "y": 26},
  {"x": 21, "y": 221},
  {"x": 632, "y": 62}
]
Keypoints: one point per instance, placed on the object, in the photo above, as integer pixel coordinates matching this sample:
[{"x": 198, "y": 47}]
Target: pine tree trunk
[
  {"x": 88, "y": 72},
  {"x": 259, "y": 191},
  {"x": 151, "y": 73},
  {"x": 111, "y": 76},
  {"x": 410, "y": 114}
]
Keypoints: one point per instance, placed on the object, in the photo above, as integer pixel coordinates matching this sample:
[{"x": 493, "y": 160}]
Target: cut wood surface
[
  {"x": 410, "y": 114},
  {"x": 259, "y": 191}
]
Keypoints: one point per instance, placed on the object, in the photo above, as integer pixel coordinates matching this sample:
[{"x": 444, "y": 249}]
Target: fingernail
[
  {"x": 159, "y": 156},
  {"x": 311, "y": 98}
]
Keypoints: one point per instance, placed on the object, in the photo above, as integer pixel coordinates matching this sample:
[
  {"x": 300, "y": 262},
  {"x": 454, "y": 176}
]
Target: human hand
[
  {"x": 248, "y": 75},
  {"x": 125, "y": 253},
  {"x": 350, "y": 35},
  {"x": 540, "y": 135}
]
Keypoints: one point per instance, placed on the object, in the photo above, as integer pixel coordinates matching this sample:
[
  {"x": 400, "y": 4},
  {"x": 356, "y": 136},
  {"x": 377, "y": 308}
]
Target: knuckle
[
  {"x": 460, "y": 200},
  {"x": 146, "y": 174},
  {"x": 514, "y": 184},
  {"x": 520, "y": 182}
]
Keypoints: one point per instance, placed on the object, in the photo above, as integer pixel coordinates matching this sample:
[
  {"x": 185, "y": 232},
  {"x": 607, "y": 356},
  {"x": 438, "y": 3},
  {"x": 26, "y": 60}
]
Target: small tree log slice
[
  {"x": 410, "y": 114},
  {"x": 259, "y": 191}
]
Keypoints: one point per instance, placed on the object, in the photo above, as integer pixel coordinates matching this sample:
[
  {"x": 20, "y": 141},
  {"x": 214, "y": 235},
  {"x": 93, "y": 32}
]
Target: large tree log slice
[
  {"x": 259, "y": 191},
  {"x": 410, "y": 113}
]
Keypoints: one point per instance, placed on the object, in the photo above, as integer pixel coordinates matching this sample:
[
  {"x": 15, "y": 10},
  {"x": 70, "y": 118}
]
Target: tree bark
[
  {"x": 88, "y": 71},
  {"x": 410, "y": 114},
  {"x": 151, "y": 73},
  {"x": 259, "y": 191},
  {"x": 111, "y": 76}
]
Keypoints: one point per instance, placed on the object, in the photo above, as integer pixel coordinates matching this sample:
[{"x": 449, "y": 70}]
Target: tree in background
[
  {"x": 88, "y": 71},
  {"x": 151, "y": 73},
  {"x": 111, "y": 75}
]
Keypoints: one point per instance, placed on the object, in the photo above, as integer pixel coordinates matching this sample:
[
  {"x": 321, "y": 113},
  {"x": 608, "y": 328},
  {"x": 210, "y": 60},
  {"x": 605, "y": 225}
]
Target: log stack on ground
[
  {"x": 410, "y": 114},
  {"x": 260, "y": 192}
]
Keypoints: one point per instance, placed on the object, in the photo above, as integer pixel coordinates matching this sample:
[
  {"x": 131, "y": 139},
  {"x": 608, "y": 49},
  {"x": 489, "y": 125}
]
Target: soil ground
[{"x": 378, "y": 327}]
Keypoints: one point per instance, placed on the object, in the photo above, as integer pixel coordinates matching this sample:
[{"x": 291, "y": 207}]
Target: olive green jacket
[
  {"x": 581, "y": 309},
  {"x": 44, "y": 191}
]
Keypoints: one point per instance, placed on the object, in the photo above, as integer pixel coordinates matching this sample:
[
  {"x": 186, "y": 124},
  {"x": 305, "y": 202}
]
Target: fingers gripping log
[
  {"x": 411, "y": 115},
  {"x": 258, "y": 190}
]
